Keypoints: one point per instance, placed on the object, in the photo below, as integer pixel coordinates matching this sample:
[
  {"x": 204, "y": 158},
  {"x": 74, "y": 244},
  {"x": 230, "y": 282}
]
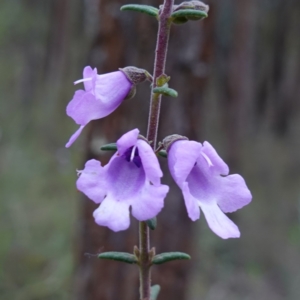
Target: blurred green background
[{"x": 247, "y": 80}]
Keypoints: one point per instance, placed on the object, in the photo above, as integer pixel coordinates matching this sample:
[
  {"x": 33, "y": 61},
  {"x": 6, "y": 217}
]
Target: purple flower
[
  {"x": 131, "y": 178},
  {"x": 102, "y": 95},
  {"x": 202, "y": 176}
]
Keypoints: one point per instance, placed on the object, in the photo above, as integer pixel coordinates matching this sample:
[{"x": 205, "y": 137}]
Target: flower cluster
[{"x": 132, "y": 177}]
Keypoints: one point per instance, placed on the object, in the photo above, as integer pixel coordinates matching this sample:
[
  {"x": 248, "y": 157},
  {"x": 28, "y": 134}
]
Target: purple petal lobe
[
  {"x": 74, "y": 137},
  {"x": 112, "y": 87},
  {"x": 88, "y": 72},
  {"x": 149, "y": 202},
  {"x": 91, "y": 181},
  {"x": 182, "y": 157},
  {"x": 84, "y": 107},
  {"x": 127, "y": 141},
  {"x": 234, "y": 193},
  {"x": 218, "y": 222},
  {"x": 191, "y": 203},
  {"x": 150, "y": 162},
  {"x": 113, "y": 214},
  {"x": 218, "y": 165}
]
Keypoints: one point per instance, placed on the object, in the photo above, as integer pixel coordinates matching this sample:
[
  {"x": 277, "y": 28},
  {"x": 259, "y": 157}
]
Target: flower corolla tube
[
  {"x": 203, "y": 178},
  {"x": 130, "y": 179},
  {"x": 102, "y": 94}
]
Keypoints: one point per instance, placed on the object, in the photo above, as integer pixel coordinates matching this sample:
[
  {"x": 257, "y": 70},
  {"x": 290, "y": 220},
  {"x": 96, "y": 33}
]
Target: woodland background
[{"x": 238, "y": 77}]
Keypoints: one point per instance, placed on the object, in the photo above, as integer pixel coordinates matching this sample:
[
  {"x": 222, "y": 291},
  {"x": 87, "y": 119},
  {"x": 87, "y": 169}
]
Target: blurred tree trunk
[
  {"x": 128, "y": 38},
  {"x": 237, "y": 76}
]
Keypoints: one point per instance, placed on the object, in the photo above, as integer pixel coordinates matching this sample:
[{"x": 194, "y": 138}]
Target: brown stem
[
  {"x": 144, "y": 262},
  {"x": 159, "y": 69}
]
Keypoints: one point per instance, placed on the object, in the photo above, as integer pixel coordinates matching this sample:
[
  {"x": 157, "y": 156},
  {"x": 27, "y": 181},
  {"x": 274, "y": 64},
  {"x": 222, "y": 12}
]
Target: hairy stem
[
  {"x": 145, "y": 274},
  {"x": 159, "y": 69}
]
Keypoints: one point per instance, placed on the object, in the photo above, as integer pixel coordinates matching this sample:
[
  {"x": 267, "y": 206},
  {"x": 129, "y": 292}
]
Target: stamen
[
  {"x": 207, "y": 159},
  {"x": 83, "y": 80},
  {"x": 132, "y": 153}
]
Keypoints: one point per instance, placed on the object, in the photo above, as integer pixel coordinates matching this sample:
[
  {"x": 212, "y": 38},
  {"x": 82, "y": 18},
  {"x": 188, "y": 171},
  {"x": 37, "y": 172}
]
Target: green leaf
[
  {"x": 146, "y": 9},
  {"x": 152, "y": 223},
  {"x": 165, "y": 91},
  {"x": 155, "y": 289},
  {"x": 169, "y": 256},
  {"x": 190, "y": 14},
  {"x": 109, "y": 147},
  {"x": 119, "y": 256},
  {"x": 163, "y": 153},
  {"x": 179, "y": 21}
]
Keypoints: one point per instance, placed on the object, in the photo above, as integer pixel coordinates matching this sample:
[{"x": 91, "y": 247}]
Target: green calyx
[
  {"x": 119, "y": 256},
  {"x": 155, "y": 289},
  {"x": 109, "y": 147},
  {"x": 169, "y": 256},
  {"x": 146, "y": 9}
]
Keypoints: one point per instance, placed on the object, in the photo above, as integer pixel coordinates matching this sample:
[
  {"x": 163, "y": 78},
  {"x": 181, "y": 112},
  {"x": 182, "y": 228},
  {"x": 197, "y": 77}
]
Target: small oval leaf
[
  {"x": 165, "y": 91},
  {"x": 146, "y": 9},
  {"x": 119, "y": 256},
  {"x": 109, "y": 147},
  {"x": 163, "y": 153},
  {"x": 180, "y": 21},
  {"x": 152, "y": 223},
  {"x": 190, "y": 14},
  {"x": 155, "y": 289},
  {"x": 169, "y": 256}
]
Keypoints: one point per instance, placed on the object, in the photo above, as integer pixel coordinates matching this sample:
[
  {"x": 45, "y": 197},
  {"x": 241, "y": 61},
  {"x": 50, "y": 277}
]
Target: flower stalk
[{"x": 153, "y": 121}]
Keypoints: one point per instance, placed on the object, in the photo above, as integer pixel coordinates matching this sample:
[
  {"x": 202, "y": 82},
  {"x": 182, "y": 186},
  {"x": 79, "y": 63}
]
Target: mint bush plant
[{"x": 131, "y": 181}]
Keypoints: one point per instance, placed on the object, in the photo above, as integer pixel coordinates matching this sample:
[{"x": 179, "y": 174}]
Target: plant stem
[
  {"x": 159, "y": 69},
  {"x": 144, "y": 262}
]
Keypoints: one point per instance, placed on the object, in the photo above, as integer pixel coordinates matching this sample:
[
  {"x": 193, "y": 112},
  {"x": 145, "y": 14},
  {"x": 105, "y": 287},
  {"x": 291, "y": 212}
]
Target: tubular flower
[
  {"x": 130, "y": 179},
  {"x": 102, "y": 95},
  {"x": 203, "y": 178}
]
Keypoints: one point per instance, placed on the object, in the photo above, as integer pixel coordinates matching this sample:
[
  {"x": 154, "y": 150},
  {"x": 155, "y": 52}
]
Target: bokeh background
[{"x": 238, "y": 78}]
